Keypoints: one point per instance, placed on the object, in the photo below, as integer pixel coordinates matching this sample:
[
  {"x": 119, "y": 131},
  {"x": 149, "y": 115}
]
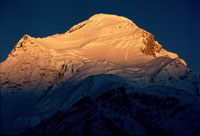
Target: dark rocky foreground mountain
[
  {"x": 154, "y": 110},
  {"x": 105, "y": 76}
]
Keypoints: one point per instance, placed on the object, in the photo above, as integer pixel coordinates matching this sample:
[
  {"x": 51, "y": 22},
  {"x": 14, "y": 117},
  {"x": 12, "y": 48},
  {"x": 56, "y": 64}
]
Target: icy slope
[
  {"x": 44, "y": 75},
  {"x": 102, "y": 37}
]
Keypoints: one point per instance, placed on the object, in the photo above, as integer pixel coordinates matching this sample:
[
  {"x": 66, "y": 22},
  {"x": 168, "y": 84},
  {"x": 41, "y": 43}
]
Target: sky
[{"x": 174, "y": 23}]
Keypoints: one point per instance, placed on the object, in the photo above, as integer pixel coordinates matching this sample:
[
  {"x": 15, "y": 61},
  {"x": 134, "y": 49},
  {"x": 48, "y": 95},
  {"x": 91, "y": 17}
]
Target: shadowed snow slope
[{"x": 42, "y": 76}]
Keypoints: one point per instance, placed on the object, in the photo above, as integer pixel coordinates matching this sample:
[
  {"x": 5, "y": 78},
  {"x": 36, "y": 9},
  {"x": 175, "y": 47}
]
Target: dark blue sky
[{"x": 175, "y": 23}]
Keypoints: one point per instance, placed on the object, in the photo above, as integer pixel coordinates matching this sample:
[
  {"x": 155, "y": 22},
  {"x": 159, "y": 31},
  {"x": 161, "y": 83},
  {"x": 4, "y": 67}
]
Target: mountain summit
[
  {"x": 105, "y": 72},
  {"x": 103, "y": 37}
]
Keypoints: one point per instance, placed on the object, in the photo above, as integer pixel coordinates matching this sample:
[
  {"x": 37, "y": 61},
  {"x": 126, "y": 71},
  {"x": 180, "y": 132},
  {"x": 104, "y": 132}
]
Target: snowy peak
[
  {"x": 25, "y": 39},
  {"x": 102, "y": 20},
  {"x": 25, "y": 44},
  {"x": 101, "y": 37},
  {"x": 108, "y": 18},
  {"x": 102, "y": 41},
  {"x": 107, "y": 59},
  {"x": 115, "y": 38}
]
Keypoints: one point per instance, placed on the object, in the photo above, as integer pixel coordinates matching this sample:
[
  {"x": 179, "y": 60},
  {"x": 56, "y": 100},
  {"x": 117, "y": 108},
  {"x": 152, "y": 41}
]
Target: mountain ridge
[{"x": 43, "y": 76}]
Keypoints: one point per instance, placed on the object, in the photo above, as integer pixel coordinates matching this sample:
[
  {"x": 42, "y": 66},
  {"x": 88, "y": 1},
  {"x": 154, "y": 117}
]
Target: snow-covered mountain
[{"x": 103, "y": 76}]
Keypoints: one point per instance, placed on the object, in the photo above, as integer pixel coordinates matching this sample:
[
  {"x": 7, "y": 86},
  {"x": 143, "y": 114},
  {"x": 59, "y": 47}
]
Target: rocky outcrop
[{"x": 152, "y": 47}]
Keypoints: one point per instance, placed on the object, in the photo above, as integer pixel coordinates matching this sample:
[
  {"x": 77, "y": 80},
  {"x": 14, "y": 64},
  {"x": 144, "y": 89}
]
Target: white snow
[{"x": 103, "y": 44}]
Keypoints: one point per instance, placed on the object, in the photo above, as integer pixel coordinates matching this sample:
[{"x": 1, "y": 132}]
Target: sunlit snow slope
[{"x": 44, "y": 75}]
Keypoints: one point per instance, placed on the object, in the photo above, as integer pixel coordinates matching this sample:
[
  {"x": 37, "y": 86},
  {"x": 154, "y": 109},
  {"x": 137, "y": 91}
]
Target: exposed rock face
[
  {"x": 76, "y": 27},
  {"x": 152, "y": 47},
  {"x": 103, "y": 76}
]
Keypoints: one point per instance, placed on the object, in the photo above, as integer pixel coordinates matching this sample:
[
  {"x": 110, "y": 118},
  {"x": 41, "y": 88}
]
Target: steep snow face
[
  {"x": 108, "y": 37},
  {"x": 102, "y": 37},
  {"x": 44, "y": 75},
  {"x": 41, "y": 62},
  {"x": 105, "y": 37}
]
